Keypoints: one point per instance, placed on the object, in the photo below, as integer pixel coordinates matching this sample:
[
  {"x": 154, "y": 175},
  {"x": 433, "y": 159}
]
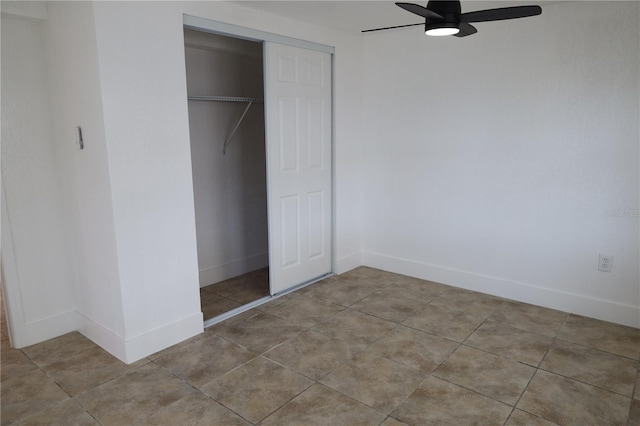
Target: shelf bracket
[
  {"x": 229, "y": 99},
  {"x": 233, "y": 132}
]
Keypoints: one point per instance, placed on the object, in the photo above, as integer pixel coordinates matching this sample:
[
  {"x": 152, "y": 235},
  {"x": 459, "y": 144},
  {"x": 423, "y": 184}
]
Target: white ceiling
[{"x": 354, "y": 16}]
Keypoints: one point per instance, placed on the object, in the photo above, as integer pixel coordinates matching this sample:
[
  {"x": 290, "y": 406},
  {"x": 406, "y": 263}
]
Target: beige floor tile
[
  {"x": 236, "y": 319},
  {"x": 510, "y": 342},
  {"x": 320, "y": 405},
  {"x": 414, "y": 348},
  {"x": 372, "y": 273},
  {"x": 195, "y": 409},
  {"x": 522, "y": 418},
  {"x": 390, "y": 421},
  {"x": 602, "y": 369},
  {"x": 242, "y": 289},
  {"x": 179, "y": 345},
  {"x": 227, "y": 287},
  {"x": 208, "y": 290},
  {"x": 59, "y": 348},
  {"x": 257, "y": 388},
  {"x": 370, "y": 277},
  {"x": 498, "y": 378},
  {"x": 259, "y": 333},
  {"x": 305, "y": 311},
  {"x": 134, "y": 396},
  {"x": 341, "y": 291},
  {"x": 27, "y": 394},
  {"x": 418, "y": 289},
  {"x": 14, "y": 363},
  {"x": 375, "y": 282},
  {"x": 374, "y": 380},
  {"x": 205, "y": 359},
  {"x": 436, "y": 402},
  {"x": 456, "y": 326},
  {"x": 88, "y": 369},
  {"x": 206, "y": 293},
  {"x": 357, "y": 345},
  {"x": 312, "y": 354},
  {"x": 389, "y": 304},
  {"x": 568, "y": 402},
  {"x": 530, "y": 318},
  {"x": 459, "y": 300},
  {"x": 354, "y": 327},
  {"x": 249, "y": 292},
  {"x": 265, "y": 307},
  {"x": 5, "y": 342},
  {"x": 634, "y": 413},
  {"x": 606, "y": 336},
  {"x": 67, "y": 412},
  {"x": 218, "y": 306}
]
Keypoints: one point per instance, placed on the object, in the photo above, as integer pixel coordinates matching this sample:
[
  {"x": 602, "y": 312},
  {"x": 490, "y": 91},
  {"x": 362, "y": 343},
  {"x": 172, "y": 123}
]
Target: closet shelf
[
  {"x": 249, "y": 102},
  {"x": 224, "y": 99}
]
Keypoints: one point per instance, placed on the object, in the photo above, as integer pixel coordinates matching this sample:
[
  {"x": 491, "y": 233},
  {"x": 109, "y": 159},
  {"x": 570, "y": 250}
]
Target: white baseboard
[
  {"x": 348, "y": 262},
  {"x": 103, "y": 337},
  {"x": 136, "y": 348},
  {"x": 44, "y": 329},
  {"x": 606, "y": 310},
  {"x": 163, "y": 337},
  {"x": 232, "y": 269}
]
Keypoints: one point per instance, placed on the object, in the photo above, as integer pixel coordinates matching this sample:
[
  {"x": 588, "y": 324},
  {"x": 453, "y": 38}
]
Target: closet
[
  {"x": 260, "y": 121},
  {"x": 226, "y": 123}
]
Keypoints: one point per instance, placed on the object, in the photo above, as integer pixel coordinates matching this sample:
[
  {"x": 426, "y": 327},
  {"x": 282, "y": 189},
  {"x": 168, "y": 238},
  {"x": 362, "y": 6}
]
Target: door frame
[
  {"x": 222, "y": 28},
  {"x": 216, "y": 27}
]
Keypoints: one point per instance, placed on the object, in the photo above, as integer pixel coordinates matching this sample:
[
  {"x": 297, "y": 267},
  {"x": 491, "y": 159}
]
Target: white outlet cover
[{"x": 605, "y": 263}]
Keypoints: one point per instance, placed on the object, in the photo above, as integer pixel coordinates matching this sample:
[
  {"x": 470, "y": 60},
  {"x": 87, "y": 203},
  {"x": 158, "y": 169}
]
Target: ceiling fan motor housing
[{"x": 449, "y": 10}]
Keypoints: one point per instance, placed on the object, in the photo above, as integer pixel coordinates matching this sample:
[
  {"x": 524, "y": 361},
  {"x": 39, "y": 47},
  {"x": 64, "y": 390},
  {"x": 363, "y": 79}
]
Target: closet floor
[{"x": 218, "y": 298}]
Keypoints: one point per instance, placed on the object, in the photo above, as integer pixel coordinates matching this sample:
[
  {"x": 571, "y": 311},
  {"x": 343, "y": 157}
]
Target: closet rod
[{"x": 249, "y": 101}]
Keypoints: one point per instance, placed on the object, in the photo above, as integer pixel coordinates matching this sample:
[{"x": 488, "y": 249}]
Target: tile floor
[
  {"x": 224, "y": 296},
  {"x": 364, "y": 348}
]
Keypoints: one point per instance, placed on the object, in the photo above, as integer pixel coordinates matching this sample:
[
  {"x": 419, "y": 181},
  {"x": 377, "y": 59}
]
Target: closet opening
[{"x": 225, "y": 85}]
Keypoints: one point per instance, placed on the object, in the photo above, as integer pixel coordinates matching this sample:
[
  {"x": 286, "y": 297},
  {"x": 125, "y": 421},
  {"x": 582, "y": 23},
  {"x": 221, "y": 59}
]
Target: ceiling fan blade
[
  {"x": 390, "y": 28},
  {"x": 501, "y": 13},
  {"x": 419, "y": 10},
  {"x": 466, "y": 29}
]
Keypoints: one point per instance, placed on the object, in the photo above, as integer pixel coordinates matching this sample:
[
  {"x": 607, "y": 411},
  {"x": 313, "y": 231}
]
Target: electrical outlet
[{"x": 605, "y": 263}]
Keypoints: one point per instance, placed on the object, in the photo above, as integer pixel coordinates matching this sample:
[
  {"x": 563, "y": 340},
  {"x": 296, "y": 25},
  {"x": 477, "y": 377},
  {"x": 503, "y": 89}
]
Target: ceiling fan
[{"x": 445, "y": 17}]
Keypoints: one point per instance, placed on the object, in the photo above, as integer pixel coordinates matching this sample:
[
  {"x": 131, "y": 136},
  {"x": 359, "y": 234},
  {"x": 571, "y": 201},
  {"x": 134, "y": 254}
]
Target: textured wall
[{"x": 492, "y": 160}]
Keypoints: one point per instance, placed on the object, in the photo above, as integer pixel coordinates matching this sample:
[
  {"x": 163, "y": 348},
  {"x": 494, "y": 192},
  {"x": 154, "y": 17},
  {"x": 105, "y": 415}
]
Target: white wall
[
  {"x": 34, "y": 249},
  {"x": 492, "y": 161},
  {"x": 75, "y": 86},
  {"x": 146, "y": 124},
  {"x": 230, "y": 190},
  {"x": 105, "y": 236},
  {"x": 504, "y": 187}
]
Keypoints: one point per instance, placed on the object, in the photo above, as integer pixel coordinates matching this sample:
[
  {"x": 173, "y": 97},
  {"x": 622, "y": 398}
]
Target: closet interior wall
[{"x": 229, "y": 188}]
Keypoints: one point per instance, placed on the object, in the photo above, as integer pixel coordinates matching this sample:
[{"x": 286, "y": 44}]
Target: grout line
[{"x": 537, "y": 368}]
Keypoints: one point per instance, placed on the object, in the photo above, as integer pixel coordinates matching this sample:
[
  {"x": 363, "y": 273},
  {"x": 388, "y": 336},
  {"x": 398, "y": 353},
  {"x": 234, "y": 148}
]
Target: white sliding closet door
[{"x": 298, "y": 130}]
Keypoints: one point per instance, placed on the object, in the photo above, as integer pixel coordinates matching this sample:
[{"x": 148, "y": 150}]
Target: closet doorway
[
  {"x": 226, "y": 123},
  {"x": 260, "y": 124}
]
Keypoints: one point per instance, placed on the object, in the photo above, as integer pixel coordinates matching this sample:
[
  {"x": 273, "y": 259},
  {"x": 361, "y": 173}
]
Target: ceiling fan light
[
  {"x": 441, "y": 28},
  {"x": 442, "y": 31}
]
